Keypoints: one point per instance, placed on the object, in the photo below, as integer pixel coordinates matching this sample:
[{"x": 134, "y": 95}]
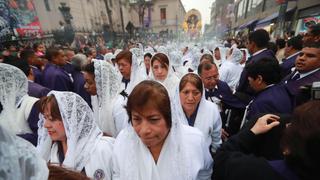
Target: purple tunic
[
  {"x": 79, "y": 82},
  {"x": 36, "y": 90},
  {"x": 37, "y": 73},
  {"x": 55, "y": 78}
]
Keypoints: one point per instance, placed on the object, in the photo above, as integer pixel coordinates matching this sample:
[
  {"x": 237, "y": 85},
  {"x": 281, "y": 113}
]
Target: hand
[
  {"x": 265, "y": 123},
  {"x": 224, "y": 135}
]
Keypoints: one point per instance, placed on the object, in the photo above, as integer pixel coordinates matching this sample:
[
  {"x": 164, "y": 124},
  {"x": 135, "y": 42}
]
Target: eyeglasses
[{"x": 211, "y": 78}]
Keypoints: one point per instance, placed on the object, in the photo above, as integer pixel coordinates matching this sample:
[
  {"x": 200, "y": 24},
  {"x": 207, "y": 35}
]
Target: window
[
  {"x": 47, "y": 5},
  {"x": 163, "y": 15}
]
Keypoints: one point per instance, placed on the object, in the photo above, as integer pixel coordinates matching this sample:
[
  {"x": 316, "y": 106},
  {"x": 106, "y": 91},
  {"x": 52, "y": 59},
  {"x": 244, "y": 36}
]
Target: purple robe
[
  {"x": 36, "y": 90},
  {"x": 68, "y": 68},
  {"x": 79, "y": 82},
  {"x": 37, "y": 73},
  {"x": 56, "y": 78}
]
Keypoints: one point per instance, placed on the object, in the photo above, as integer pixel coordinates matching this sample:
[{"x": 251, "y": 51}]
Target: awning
[
  {"x": 249, "y": 23},
  {"x": 267, "y": 20}
]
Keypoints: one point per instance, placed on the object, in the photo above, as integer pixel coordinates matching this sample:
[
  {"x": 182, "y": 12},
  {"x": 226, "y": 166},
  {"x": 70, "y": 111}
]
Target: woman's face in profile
[
  {"x": 150, "y": 126},
  {"x": 54, "y": 126}
]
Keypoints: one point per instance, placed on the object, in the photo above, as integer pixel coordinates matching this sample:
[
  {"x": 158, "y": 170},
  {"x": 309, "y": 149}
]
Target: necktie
[{"x": 295, "y": 77}]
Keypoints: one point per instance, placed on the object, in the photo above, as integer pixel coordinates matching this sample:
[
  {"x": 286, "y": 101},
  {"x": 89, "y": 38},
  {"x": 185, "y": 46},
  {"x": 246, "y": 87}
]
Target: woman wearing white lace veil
[
  {"x": 176, "y": 62},
  {"x": 230, "y": 70},
  {"x": 196, "y": 111},
  {"x": 156, "y": 145},
  {"x": 17, "y": 104},
  {"x": 128, "y": 63},
  {"x": 220, "y": 54},
  {"x": 103, "y": 84},
  {"x": 162, "y": 71},
  {"x": 138, "y": 54},
  {"x": 69, "y": 136}
]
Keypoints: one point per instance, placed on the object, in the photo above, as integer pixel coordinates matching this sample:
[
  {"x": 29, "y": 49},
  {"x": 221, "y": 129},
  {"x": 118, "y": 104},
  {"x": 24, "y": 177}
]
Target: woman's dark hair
[
  {"x": 302, "y": 141},
  {"x": 268, "y": 68},
  {"x": 162, "y": 58},
  {"x": 44, "y": 101},
  {"x": 193, "y": 79},
  {"x": 89, "y": 68},
  {"x": 150, "y": 93},
  {"x": 57, "y": 172},
  {"x": 124, "y": 55},
  {"x": 147, "y": 55}
]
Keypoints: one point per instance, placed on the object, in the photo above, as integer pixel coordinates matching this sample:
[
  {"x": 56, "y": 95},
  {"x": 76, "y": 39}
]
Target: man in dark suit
[
  {"x": 292, "y": 50},
  {"x": 257, "y": 46},
  {"x": 270, "y": 97},
  {"x": 307, "y": 71},
  {"x": 220, "y": 93}
]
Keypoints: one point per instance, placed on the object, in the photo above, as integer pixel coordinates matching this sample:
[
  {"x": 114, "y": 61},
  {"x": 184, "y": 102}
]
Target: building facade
[
  {"x": 92, "y": 15},
  {"x": 166, "y": 15},
  {"x": 221, "y": 17},
  {"x": 254, "y": 14}
]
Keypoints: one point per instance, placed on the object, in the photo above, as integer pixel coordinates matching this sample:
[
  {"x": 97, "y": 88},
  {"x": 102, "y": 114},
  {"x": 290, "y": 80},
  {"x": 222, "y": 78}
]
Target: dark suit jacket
[
  {"x": 294, "y": 86},
  {"x": 287, "y": 65}
]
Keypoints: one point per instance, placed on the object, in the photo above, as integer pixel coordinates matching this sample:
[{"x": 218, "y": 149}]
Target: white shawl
[{"x": 80, "y": 127}]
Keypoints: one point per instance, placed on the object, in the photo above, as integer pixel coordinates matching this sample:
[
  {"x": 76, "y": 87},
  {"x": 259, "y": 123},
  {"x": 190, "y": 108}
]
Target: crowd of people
[{"x": 172, "y": 111}]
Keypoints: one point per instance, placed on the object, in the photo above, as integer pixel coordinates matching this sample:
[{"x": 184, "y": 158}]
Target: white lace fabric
[
  {"x": 13, "y": 88},
  {"x": 236, "y": 56},
  {"x": 19, "y": 159},
  {"x": 108, "y": 86},
  {"x": 81, "y": 130}
]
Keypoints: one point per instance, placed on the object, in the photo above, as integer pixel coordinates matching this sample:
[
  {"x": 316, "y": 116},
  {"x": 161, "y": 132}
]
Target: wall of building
[{"x": 175, "y": 13}]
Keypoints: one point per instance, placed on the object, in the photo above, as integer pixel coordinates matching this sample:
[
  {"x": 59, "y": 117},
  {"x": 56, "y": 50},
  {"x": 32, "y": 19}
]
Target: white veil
[
  {"x": 176, "y": 62},
  {"x": 203, "y": 114},
  {"x": 108, "y": 84},
  {"x": 80, "y": 127},
  {"x": 230, "y": 70},
  {"x": 13, "y": 89},
  {"x": 139, "y": 163},
  {"x": 171, "y": 81},
  {"x": 19, "y": 159}
]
